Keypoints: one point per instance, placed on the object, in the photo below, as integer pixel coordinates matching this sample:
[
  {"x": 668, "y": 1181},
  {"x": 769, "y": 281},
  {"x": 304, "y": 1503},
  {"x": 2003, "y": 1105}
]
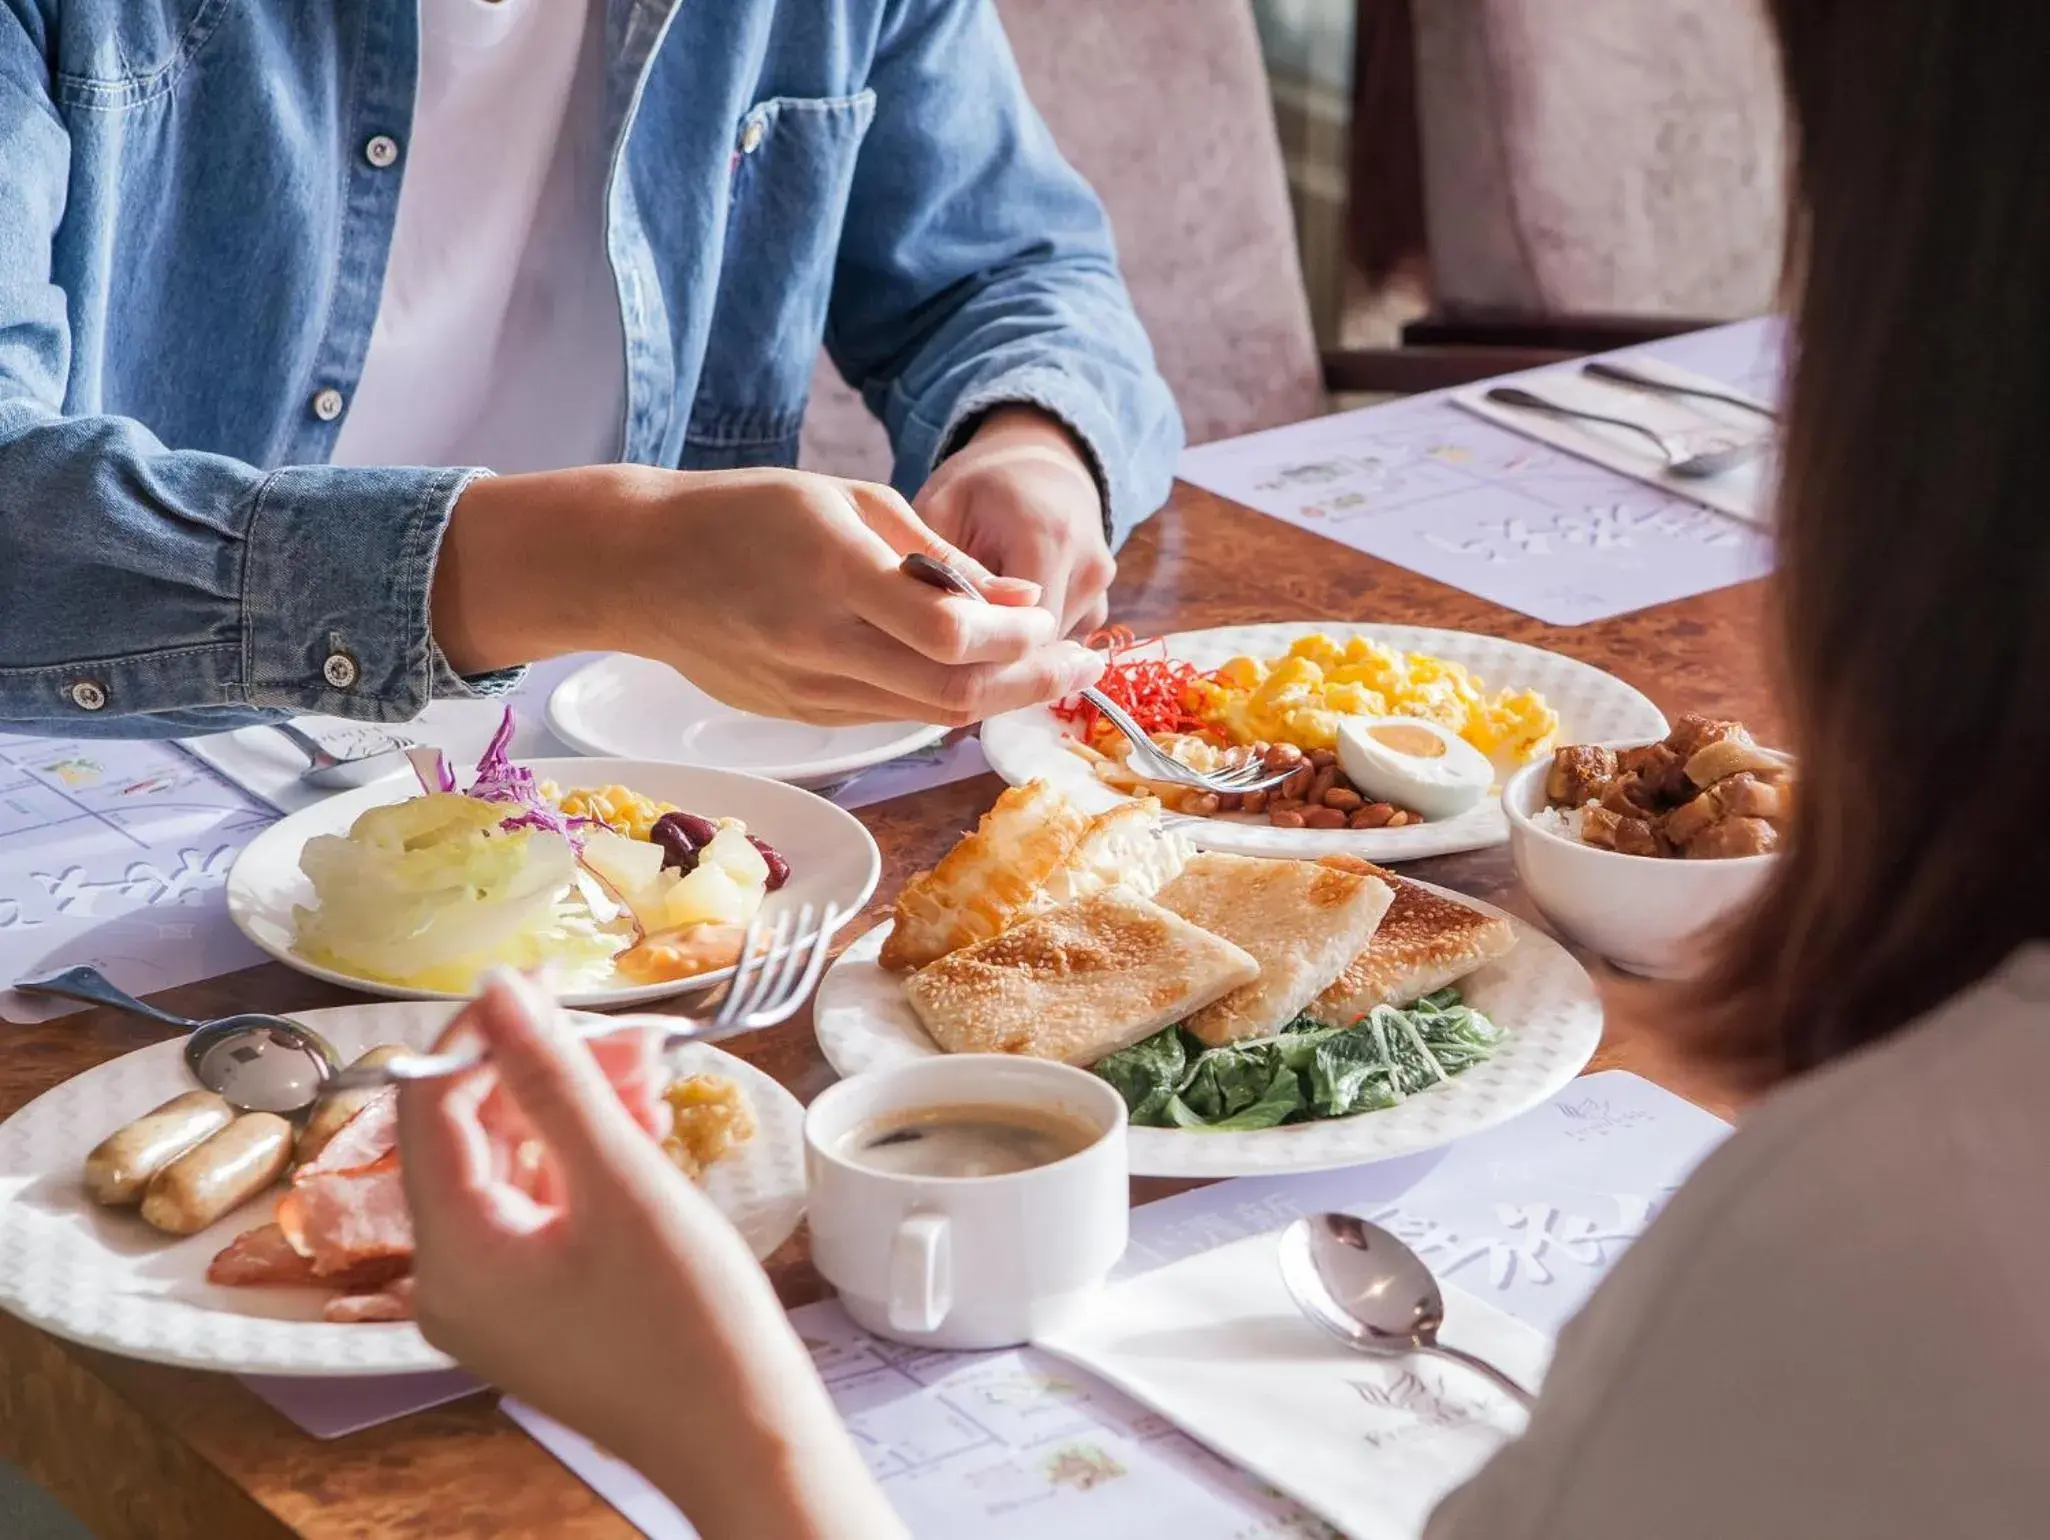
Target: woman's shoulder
[
  {"x": 1856, "y": 1266},
  {"x": 1960, "y": 1094}
]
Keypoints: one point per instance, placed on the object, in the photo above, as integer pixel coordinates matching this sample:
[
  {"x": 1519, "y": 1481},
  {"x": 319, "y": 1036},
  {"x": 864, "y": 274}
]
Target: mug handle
[{"x": 921, "y": 1274}]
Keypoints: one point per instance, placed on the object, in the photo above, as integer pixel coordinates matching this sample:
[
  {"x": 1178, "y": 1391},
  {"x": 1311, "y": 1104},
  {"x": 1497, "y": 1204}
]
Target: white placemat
[
  {"x": 1437, "y": 490},
  {"x": 116, "y": 854},
  {"x": 1214, "y": 1344},
  {"x": 1015, "y": 1446}
]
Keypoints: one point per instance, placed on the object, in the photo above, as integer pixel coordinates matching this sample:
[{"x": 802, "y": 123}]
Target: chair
[
  {"x": 1571, "y": 174},
  {"x": 1163, "y": 105}
]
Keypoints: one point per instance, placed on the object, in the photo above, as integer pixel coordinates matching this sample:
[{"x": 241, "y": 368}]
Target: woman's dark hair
[{"x": 1913, "y": 597}]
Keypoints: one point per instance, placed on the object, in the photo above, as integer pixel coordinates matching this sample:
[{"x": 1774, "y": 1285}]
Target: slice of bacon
[
  {"x": 260, "y": 1256},
  {"x": 365, "y": 1139},
  {"x": 342, "y": 1221},
  {"x": 393, "y": 1302}
]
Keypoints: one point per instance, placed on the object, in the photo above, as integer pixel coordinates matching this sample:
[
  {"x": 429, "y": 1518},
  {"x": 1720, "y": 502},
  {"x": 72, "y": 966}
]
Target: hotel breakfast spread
[
  {"x": 1705, "y": 792},
  {"x": 597, "y": 883},
  {"x": 341, "y": 1224},
  {"x": 1212, "y": 990},
  {"x": 1376, "y": 738}
]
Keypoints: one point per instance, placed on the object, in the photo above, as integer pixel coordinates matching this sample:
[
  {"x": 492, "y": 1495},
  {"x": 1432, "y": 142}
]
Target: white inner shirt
[{"x": 498, "y": 339}]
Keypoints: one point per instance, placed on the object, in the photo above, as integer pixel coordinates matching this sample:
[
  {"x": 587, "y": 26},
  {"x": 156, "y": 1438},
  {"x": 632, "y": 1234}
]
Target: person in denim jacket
[{"x": 243, "y": 475}]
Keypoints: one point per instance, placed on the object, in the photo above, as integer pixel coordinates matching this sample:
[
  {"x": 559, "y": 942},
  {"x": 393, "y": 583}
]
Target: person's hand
[
  {"x": 591, "y": 1279},
  {"x": 1019, "y": 497},
  {"x": 775, "y": 591}
]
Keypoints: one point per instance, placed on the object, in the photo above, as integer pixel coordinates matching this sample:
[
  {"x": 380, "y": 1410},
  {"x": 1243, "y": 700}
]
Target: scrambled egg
[{"x": 1298, "y": 698}]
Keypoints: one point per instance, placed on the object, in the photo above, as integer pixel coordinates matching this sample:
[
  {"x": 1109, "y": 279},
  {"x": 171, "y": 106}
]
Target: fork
[
  {"x": 768, "y": 984},
  {"x": 1148, "y": 758},
  {"x": 1621, "y": 374}
]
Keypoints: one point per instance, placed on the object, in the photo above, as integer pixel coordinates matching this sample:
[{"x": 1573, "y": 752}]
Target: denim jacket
[{"x": 192, "y": 246}]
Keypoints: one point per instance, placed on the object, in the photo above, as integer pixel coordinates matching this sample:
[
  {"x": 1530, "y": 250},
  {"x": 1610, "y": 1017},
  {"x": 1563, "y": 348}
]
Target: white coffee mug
[{"x": 967, "y": 1262}]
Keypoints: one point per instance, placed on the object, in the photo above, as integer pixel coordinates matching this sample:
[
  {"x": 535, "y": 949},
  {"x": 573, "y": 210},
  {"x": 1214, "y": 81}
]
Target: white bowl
[{"x": 1645, "y": 914}]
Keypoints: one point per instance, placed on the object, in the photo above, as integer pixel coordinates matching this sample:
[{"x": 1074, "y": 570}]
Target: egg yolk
[{"x": 1416, "y": 742}]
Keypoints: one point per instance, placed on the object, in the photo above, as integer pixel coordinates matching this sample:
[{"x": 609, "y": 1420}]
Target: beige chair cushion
[
  {"x": 1163, "y": 105},
  {"x": 1600, "y": 156}
]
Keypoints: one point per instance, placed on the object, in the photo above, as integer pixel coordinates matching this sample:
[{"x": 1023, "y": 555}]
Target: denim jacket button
[
  {"x": 751, "y": 136},
  {"x": 339, "y": 670},
  {"x": 328, "y": 404},
  {"x": 88, "y": 696},
  {"x": 381, "y": 151}
]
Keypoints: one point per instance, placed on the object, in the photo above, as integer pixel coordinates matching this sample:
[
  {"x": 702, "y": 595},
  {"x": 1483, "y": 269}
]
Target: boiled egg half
[{"x": 1414, "y": 764}]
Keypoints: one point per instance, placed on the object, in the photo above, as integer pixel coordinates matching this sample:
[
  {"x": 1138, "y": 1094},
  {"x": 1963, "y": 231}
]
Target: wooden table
[{"x": 142, "y": 1452}]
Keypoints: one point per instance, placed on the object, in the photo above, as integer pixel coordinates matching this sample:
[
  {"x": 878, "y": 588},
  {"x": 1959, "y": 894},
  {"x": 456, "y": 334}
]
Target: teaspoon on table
[
  {"x": 328, "y": 771},
  {"x": 253, "y": 1061},
  {"x": 1693, "y": 455},
  {"x": 1371, "y": 1292}
]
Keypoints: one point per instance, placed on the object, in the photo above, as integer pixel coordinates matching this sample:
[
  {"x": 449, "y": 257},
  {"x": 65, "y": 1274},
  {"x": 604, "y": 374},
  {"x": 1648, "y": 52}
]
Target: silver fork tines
[
  {"x": 1160, "y": 765},
  {"x": 768, "y": 984}
]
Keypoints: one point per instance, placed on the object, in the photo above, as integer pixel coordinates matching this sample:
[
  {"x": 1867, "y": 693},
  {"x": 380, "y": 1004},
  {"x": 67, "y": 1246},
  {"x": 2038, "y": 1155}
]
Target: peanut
[
  {"x": 1323, "y": 818},
  {"x": 1228, "y": 801},
  {"x": 1253, "y": 802},
  {"x": 1203, "y": 804},
  {"x": 1323, "y": 759},
  {"x": 1345, "y": 799},
  {"x": 1320, "y": 783},
  {"x": 1376, "y": 815},
  {"x": 1298, "y": 784},
  {"x": 1401, "y": 820},
  {"x": 1281, "y": 756},
  {"x": 1277, "y": 803},
  {"x": 1287, "y": 818},
  {"x": 1363, "y": 819}
]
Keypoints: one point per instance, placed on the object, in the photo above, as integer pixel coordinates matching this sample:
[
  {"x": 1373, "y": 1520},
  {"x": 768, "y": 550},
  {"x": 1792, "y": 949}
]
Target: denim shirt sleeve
[
  {"x": 146, "y": 591},
  {"x": 977, "y": 269}
]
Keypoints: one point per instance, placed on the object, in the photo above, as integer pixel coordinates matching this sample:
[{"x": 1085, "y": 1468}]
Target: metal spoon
[
  {"x": 1371, "y": 1292},
  {"x": 1620, "y": 374},
  {"x": 327, "y": 771},
  {"x": 1693, "y": 455},
  {"x": 255, "y": 1062}
]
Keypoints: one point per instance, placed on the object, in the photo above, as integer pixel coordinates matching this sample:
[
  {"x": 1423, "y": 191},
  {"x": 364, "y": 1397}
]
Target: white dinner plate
[
  {"x": 636, "y": 708},
  {"x": 104, "y": 1278},
  {"x": 1538, "y": 995},
  {"x": 1593, "y": 707},
  {"x": 833, "y": 859}
]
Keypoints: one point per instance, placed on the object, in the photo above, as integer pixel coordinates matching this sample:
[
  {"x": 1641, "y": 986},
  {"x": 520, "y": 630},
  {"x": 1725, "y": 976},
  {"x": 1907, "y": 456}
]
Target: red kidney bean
[
  {"x": 779, "y": 869},
  {"x": 679, "y": 850}
]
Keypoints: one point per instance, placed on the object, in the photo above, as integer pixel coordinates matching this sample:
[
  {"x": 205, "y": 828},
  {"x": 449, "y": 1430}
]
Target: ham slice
[
  {"x": 365, "y": 1139},
  {"x": 343, "y": 1223},
  {"x": 260, "y": 1256},
  {"x": 393, "y": 1302},
  {"x": 342, "y": 1220}
]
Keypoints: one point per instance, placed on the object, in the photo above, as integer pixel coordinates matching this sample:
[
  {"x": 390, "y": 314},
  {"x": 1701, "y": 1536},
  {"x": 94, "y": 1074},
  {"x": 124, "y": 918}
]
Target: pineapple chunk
[
  {"x": 731, "y": 853},
  {"x": 708, "y": 894}
]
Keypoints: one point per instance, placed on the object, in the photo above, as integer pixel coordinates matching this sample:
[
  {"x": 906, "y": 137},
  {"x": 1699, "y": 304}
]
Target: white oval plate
[
  {"x": 833, "y": 859},
  {"x": 1593, "y": 707},
  {"x": 104, "y": 1278},
  {"x": 1538, "y": 994},
  {"x": 636, "y": 708}
]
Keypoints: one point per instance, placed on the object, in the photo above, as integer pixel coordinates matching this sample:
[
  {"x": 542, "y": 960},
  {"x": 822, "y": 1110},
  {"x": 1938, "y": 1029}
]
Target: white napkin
[
  {"x": 1215, "y": 1345},
  {"x": 1745, "y": 491}
]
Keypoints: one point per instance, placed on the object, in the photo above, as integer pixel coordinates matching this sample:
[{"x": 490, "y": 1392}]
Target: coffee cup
[{"x": 972, "y": 1201}]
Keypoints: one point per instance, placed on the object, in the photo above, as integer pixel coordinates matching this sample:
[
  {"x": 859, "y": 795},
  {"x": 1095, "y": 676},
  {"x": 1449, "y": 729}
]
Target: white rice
[{"x": 1562, "y": 821}]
